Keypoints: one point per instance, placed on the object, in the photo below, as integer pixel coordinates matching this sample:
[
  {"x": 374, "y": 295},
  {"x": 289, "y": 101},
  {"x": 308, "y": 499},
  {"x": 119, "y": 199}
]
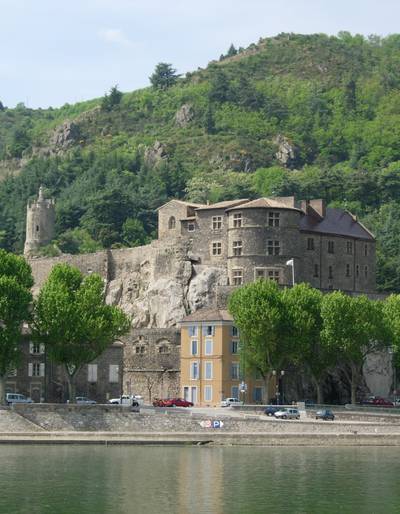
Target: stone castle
[{"x": 201, "y": 254}]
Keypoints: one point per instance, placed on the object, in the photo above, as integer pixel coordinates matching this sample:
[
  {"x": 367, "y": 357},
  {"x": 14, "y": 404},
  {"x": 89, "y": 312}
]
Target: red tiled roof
[{"x": 208, "y": 315}]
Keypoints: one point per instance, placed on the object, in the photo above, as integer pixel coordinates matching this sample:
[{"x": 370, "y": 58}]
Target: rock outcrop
[
  {"x": 184, "y": 115},
  {"x": 286, "y": 153},
  {"x": 155, "y": 154},
  {"x": 65, "y": 136}
]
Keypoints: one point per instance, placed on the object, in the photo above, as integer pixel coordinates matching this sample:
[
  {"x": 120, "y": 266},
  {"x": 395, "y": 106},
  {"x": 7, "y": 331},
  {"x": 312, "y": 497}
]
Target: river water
[{"x": 230, "y": 480}]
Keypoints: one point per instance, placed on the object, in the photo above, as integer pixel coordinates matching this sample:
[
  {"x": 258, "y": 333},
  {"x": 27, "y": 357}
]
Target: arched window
[{"x": 171, "y": 222}]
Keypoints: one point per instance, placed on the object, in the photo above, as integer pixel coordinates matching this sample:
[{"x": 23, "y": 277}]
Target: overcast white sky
[{"x": 58, "y": 51}]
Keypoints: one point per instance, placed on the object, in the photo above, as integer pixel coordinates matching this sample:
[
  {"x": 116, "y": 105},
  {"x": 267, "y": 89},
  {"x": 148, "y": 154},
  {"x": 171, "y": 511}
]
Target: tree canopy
[
  {"x": 73, "y": 321},
  {"x": 15, "y": 300}
]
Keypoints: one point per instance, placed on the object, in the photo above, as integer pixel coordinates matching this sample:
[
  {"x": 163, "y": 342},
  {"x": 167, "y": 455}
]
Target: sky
[{"x": 64, "y": 51}]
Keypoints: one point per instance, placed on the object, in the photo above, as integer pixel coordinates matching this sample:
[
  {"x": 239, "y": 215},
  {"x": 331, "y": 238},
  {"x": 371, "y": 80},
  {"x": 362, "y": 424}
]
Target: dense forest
[{"x": 310, "y": 115}]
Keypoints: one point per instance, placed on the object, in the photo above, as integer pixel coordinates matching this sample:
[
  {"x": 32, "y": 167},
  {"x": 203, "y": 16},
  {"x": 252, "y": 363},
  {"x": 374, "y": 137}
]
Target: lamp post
[
  {"x": 291, "y": 263},
  {"x": 276, "y": 374},
  {"x": 392, "y": 352}
]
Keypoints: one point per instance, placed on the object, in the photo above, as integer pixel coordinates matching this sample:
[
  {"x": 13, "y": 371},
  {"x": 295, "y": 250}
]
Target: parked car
[
  {"x": 180, "y": 402},
  {"x": 287, "y": 414},
  {"x": 377, "y": 401},
  {"x": 17, "y": 398},
  {"x": 82, "y": 400},
  {"x": 228, "y": 402},
  {"x": 271, "y": 409},
  {"x": 325, "y": 414},
  {"x": 125, "y": 399}
]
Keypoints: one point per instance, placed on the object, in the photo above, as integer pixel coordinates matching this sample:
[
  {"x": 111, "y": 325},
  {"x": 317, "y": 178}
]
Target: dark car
[
  {"x": 325, "y": 414},
  {"x": 271, "y": 409}
]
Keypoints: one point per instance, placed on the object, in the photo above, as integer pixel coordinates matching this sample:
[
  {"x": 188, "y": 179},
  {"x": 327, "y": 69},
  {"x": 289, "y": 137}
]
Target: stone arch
[
  {"x": 163, "y": 346},
  {"x": 172, "y": 222}
]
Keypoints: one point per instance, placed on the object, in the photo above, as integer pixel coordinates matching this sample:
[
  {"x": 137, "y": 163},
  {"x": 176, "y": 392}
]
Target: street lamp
[
  {"x": 291, "y": 263},
  {"x": 277, "y": 392},
  {"x": 392, "y": 352}
]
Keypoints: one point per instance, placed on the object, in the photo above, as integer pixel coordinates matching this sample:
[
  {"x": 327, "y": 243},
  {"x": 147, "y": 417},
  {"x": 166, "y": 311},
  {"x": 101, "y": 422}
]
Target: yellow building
[{"x": 210, "y": 364}]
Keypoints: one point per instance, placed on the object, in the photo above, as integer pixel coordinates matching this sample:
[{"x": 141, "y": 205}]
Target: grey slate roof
[{"x": 336, "y": 222}]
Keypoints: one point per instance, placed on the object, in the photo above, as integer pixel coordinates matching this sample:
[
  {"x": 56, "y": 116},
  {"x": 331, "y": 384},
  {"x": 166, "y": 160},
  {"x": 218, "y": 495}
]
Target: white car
[
  {"x": 17, "y": 398},
  {"x": 287, "y": 414},
  {"x": 228, "y": 402},
  {"x": 127, "y": 399}
]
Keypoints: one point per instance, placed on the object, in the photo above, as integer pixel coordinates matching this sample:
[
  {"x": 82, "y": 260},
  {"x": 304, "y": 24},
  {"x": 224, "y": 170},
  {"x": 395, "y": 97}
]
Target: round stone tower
[{"x": 40, "y": 223}]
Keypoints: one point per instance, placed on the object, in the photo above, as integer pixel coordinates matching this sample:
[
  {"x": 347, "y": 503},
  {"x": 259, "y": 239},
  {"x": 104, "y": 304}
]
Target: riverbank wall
[{"x": 109, "y": 424}]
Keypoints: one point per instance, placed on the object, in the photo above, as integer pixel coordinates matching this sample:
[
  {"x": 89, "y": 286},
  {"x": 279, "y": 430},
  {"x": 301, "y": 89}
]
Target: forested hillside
[{"x": 314, "y": 116}]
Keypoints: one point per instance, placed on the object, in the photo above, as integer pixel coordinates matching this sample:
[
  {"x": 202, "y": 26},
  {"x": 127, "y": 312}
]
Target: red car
[
  {"x": 172, "y": 402},
  {"x": 378, "y": 402}
]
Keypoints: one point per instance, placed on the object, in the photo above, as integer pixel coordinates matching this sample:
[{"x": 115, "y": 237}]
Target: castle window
[
  {"x": 36, "y": 369},
  {"x": 273, "y": 248},
  {"x": 237, "y": 248},
  {"x": 234, "y": 347},
  {"x": 237, "y": 220},
  {"x": 237, "y": 277},
  {"x": 316, "y": 270},
  {"x": 207, "y": 393},
  {"x": 357, "y": 270},
  {"x": 365, "y": 250},
  {"x": 140, "y": 349},
  {"x": 172, "y": 223},
  {"x": 274, "y": 274},
  {"x": 273, "y": 219},
  {"x": 208, "y": 370},
  {"x": 310, "y": 243},
  {"x": 163, "y": 349},
  {"x": 208, "y": 347},
  {"x": 330, "y": 272},
  {"x": 331, "y": 247},
  {"x": 268, "y": 274},
  {"x": 191, "y": 227},
  {"x": 193, "y": 330},
  {"x": 235, "y": 331},
  {"x": 92, "y": 373},
  {"x": 209, "y": 330},
  {"x": 216, "y": 248},
  {"x": 37, "y": 228},
  {"x": 193, "y": 347},
  {"x": 259, "y": 273},
  {"x": 347, "y": 270},
  {"x": 113, "y": 375},
  {"x": 235, "y": 372},
  {"x": 349, "y": 247},
  {"x": 366, "y": 271},
  {"x": 194, "y": 370},
  {"x": 216, "y": 222}
]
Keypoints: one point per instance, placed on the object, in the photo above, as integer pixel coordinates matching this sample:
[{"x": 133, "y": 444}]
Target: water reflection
[{"x": 182, "y": 480}]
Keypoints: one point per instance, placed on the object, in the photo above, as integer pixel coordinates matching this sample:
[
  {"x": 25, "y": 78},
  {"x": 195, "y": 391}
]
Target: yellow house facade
[{"x": 210, "y": 363}]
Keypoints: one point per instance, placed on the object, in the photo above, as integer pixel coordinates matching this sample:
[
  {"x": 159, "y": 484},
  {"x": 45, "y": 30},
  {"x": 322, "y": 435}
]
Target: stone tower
[{"x": 40, "y": 223}]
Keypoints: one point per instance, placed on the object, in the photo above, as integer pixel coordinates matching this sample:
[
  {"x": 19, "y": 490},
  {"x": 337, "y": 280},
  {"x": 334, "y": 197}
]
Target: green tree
[
  {"x": 231, "y": 51},
  {"x": 259, "y": 313},
  {"x": 164, "y": 76},
  {"x": 303, "y": 305},
  {"x": 391, "y": 310},
  {"x": 15, "y": 299},
  {"x": 133, "y": 233},
  {"x": 111, "y": 100},
  {"x": 73, "y": 321},
  {"x": 353, "y": 328}
]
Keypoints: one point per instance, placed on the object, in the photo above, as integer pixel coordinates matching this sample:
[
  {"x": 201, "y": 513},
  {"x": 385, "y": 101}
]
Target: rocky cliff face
[
  {"x": 156, "y": 285},
  {"x": 158, "y": 296}
]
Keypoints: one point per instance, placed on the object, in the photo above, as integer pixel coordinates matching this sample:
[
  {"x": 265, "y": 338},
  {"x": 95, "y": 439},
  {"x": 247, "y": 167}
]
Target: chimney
[{"x": 319, "y": 206}]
